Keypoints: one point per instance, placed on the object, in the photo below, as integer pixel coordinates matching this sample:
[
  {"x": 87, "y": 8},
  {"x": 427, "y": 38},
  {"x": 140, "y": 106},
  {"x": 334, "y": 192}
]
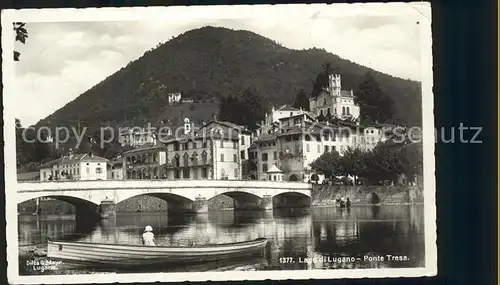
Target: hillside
[{"x": 209, "y": 63}]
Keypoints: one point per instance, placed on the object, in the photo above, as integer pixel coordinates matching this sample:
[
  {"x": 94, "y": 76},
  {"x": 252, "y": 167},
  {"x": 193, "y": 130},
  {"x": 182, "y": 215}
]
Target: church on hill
[{"x": 334, "y": 102}]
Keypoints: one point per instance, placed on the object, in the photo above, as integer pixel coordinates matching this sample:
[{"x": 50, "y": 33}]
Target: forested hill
[{"x": 210, "y": 63}]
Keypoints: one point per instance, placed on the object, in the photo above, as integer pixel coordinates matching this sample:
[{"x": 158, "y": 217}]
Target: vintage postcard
[{"x": 219, "y": 143}]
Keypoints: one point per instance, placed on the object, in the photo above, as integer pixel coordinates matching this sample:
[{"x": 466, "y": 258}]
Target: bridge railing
[{"x": 157, "y": 183}]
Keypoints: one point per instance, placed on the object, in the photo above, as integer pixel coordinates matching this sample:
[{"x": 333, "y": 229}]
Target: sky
[{"x": 61, "y": 60}]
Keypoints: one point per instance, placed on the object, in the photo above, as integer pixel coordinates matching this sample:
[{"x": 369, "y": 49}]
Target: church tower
[{"x": 334, "y": 84}]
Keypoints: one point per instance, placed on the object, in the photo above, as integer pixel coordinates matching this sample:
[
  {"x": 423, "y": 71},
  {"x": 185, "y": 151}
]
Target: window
[
  {"x": 264, "y": 156},
  {"x": 221, "y": 157},
  {"x": 204, "y": 157},
  {"x": 195, "y": 173},
  {"x": 185, "y": 173},
  {"x": 308, "y": 138},
  {"x": 242, "y": 140},
  {"x": 236, "y": 173},
  {"x": 222, "y": 143},
  {"x": 177, "y": 174},
  {"x": 264, "y": 167},
  {"x": 275, "y": 155},
  {"x": 326, "y": 136},
  {"x": 112, "y": 175},
  {"x": 184, "y": 146},
  {"x": 347, "y": 110},
  {"x": 235, "y": 144},
  {"x": 204, "y": 173},
  {"x": 327, "y": 148},
  {"x": 324, "y": 101},
  {"x": 186, "y": 159},
  {"x": 343, "y": 110},
  {"x": 204, "y": 144},
  {"x": 88, "y": 170},
  {"x": 176, "y": 146},
  {"x": 242, "y": 154},
  {"x": 235, "y": 158},
  {"x": 307, "y": 148}
]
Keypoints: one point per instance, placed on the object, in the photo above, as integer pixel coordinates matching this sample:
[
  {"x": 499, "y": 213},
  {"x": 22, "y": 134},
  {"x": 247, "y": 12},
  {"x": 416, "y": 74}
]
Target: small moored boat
[{"x": 121, "y": 255}]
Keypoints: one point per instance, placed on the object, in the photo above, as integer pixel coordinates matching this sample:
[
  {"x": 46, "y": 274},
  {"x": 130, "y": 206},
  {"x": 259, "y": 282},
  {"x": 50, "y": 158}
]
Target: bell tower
[{"x": 334, "y": 84}]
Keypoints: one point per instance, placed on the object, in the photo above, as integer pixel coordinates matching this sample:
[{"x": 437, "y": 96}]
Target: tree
[
  {"x": 248, "y": 110},
  {"x": 321, "y": 81},
  {"x": 352, "y": 162},
  {"x": 301, "y": 101},
  {"x": 411, "y": 159},
  {"x": 21, "y": 35},
  {"x": 382, "y": 163},
  {"x": 375, "y": 105},
  {"x": 328, "y": 164}
]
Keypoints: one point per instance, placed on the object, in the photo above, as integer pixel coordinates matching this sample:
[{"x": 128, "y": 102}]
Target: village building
[
  {"x": 296, "y": 141},
  {"x": 211, "y": 152},
  {"x": 334, "y": 102},
  {"x": 136, "y": 137},
  {"x": 275, "y": 174},
  {"x": 115, "y": 169},
  {"x": 146, "y": 162},
  {"x": 271, "y": 121},
  {"x": 174, "y": 98},
  {"x": 75, "y": 167}
]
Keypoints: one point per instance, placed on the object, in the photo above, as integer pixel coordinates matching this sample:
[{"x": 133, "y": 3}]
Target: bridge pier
[
  {"x": 200, "y": 205},
  {"x": 244, "y": 203},
  {"x": 108, "y": 209},
  {"x": 266, "y": 203}
]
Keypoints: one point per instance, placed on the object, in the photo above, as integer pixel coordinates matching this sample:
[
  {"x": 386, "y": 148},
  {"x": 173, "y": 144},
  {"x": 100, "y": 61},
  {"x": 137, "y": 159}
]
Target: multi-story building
[
  {"x": 115, "y": 169},
  {"x": 136, "y": 137},
  {"x": 75, "y": 167},
  {"x": 211, "y": 152},
  {"x": 147, "y": 162},
  {"x": 272, "y": 118},
  {"x": 298, "y": 141},
  {"x": 334, "y": 102}
]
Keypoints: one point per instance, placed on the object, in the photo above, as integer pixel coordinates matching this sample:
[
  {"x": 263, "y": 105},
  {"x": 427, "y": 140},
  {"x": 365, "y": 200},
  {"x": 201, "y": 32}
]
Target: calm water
[{"x": 318, "y": 238}]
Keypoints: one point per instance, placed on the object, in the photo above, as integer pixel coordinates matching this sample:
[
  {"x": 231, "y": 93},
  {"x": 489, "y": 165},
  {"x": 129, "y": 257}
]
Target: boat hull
[{"x": 113, "y": 255}]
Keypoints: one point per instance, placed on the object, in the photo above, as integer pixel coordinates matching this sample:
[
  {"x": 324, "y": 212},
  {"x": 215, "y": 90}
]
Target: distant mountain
[{"x": 209, "y": 63}]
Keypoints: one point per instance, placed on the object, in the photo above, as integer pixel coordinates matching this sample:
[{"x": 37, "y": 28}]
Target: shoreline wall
[{"x": 322, "y": 195}]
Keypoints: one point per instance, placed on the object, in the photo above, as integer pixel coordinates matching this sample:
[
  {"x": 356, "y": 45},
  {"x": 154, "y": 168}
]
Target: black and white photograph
[{"x": 196, "y": 143}]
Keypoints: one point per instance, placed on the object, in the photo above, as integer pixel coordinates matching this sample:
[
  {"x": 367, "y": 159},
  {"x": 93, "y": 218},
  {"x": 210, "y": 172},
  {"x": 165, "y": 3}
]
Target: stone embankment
[{"x": 326, "y": 195}]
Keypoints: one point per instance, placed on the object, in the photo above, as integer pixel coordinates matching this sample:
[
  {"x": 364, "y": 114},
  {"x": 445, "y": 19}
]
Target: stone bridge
[{"x": 101, "y": 197}]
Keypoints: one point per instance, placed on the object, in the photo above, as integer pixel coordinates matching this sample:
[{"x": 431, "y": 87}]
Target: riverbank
[
  {"x": 321, "y": 195},
  {"x": 326, "y": 195}
]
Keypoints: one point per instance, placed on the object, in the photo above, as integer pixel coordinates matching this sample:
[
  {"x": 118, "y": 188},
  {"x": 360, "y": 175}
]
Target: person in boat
[{"x": 148, "y": 238}]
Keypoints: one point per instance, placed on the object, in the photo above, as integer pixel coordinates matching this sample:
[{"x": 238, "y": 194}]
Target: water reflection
[{"x": 313, "y": 238}]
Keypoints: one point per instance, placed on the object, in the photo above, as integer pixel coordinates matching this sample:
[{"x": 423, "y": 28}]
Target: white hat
[{"x": 148, "y": 229}]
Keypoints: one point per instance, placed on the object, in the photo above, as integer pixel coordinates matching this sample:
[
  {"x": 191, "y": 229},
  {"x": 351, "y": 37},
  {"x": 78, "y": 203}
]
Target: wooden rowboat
[{"x": 109, "y": 255}]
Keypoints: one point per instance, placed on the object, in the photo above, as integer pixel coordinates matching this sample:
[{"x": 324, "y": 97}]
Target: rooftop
[
  {"x": 145, "y": 147},
  {"x": 70, "y": 159}
]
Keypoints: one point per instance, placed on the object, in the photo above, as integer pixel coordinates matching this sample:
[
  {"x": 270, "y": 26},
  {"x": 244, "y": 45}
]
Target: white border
[{"x": 423, "y": 9}]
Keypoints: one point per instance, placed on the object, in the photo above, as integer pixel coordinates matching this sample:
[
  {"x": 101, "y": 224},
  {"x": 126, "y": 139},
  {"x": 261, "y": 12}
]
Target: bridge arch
[
  {"x": 174, "y": 202},
  {"x": 83, "y": 208},
  {"x": 71, "y": 198},
  {"x": 291, "y": 199},
  {"x": 241, "y": 200}
]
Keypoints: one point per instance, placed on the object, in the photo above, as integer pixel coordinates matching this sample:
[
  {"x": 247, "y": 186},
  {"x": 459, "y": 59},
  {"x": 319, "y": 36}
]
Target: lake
[{"x": 301, "y": 239}]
